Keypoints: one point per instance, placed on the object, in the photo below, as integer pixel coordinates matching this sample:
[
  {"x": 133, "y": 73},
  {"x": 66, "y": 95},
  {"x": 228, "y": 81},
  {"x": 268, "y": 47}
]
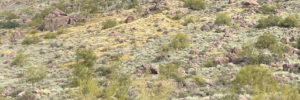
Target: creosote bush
[
  {"x": 223, "y": 19},
  {"x": 20, "y": 60},
  {"x": 267, "y": 9},
  {"x": 258, "y": 78},
  {"x": 266, "y": 41},
  {"x": 109, "y": 23},
  {"x": 170, "y": 71},
  {"x": 36, "y": 74},
  {"x": 180, "y": 41},
  {"x": 209, "y": 62},
  {"x": 195, "y": 4},
  {"x": 31, "y": 40},
  {"x": 9, "y": 24},
  {"x": 259, "y": 82},
  {"x": 89, "y": 89},
  {"x": 188, "y": 21},
  {"x": 270, "y": 21},
  {"x": 83, "y": 68},
  {"x": 291, "y": 21}
]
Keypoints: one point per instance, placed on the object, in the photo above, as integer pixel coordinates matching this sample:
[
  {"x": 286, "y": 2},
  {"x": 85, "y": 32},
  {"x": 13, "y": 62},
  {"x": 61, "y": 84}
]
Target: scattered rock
[
  {"x": 194, "y": 52},
  {"x": 235, "y": 50},
  {"x": 221, "y": 60},
  {"x": 205, "y": 28},
  {"x": 129, "y": 19},
  {"x": 285, "y": 40},
  {"x": 16, "y": 35},
  {"x": 250, "y": 3}
]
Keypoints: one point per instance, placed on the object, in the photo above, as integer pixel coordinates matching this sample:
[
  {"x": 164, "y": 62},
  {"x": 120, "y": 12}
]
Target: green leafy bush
[
  {"x": 83, "y": 68},
  {"x": 180, "y": 41},
  {"x": 290, "y": 21},
  {"x": 50, "y": 35},
  {"x": 270, "y": 21},
  {"x": 177, "y": 16},
  {"x": 195, "y": 4},
  {"x": 223, "y": 19},
  {"x": 20, "y": 60},
  {"x": 9, "y": 24},
  {"x": 109, "y": 23},
  {"x": 31, "y": 40},
  {"x": 266, "y": 41},
  {"x": 267, "y": 9},
  {"x": 36, "y": 74},
  {"x": 256, "y": 78}
]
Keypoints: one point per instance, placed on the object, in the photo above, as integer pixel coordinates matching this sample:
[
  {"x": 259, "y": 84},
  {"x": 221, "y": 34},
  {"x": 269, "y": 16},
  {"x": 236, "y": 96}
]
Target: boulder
[
  {"x": 250, "y": 3},
  {"x": 56, "y": 19},
  {"x": 129, "y": 19}
]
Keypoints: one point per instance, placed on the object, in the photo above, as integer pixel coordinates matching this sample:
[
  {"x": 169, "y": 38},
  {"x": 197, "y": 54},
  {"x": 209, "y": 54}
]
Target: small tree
[
  {"x": 89, "y": 89},
  {"x": 266, "y": 41},
  {"x": 290, "y": 21},
  {"x": 267, "y": 9}
]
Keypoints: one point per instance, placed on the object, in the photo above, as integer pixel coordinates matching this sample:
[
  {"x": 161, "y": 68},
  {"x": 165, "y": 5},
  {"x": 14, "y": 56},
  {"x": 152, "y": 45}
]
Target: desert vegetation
[{"x": 149, "y": 50}]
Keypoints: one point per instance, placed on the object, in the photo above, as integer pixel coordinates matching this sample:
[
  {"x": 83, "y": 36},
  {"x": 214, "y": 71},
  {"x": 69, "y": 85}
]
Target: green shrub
[
  {"x": 223, "y": 19},
  {"x": 83, "y": 68},
  {"x": 180, "y": 41},
  {"x": 34, "y": 31},
  {"x": 290, "y": 21},
  {"x": 195, "y": 4},
  {"x": 259, "y": 59},
  {"x": 177, "y": 16},
  {"x": 109, "y": 23},
  {"x": 267, "y": 9},
  {"x": 187, "y": 21},
  {"x": 256, "y": 78},
  {"x": 86, "y": 57},
  {"x": 50, "y": 35},
  {"x": 9, "y": 24},
  {"x": 60, "y": 31},
  {"x": 8, "y": 15},
  {"x": 266, "y": 41},
  {"x": 89, "y": 89},
  {"x": 118, "y": 87},
  {"x": 36, "y": 74},
  {"x": 199, "y": 80},
  {"x": 270, "y": 21},
  {"x": 20, "y": 60},
  {"x": 31, "y": 40},
  {"x": 209, "y": 62},
  {"x": 169, "y": 71},
  {"x": 285, "y": 92}
]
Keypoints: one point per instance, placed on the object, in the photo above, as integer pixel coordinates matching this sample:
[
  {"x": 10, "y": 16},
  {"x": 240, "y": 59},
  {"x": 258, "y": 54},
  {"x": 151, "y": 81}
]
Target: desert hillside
[{"x": 149, "y": 50}]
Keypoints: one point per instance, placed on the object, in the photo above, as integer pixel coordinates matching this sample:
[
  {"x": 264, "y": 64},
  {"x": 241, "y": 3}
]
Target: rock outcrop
[{"x": 56, "y": 19}]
